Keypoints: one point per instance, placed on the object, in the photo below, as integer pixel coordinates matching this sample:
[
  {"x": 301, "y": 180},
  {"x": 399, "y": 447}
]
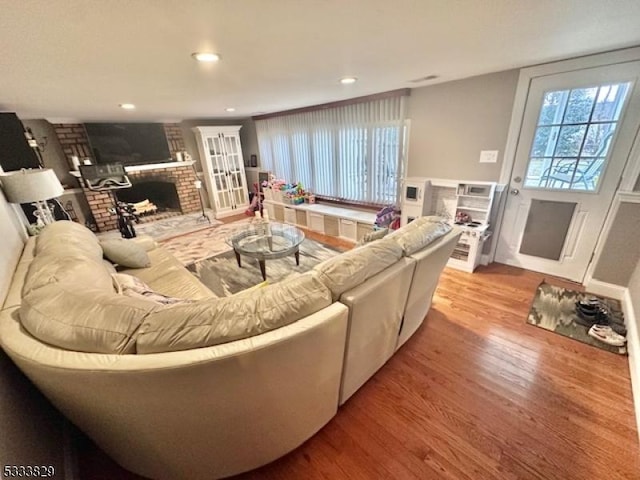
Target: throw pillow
[
  {"x": 133, "y": 287},
  {"x": 125, "y": 253}
]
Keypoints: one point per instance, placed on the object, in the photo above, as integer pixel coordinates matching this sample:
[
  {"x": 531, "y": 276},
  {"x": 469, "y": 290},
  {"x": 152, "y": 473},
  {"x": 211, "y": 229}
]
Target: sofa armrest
[{"x": 146, "y": 242}]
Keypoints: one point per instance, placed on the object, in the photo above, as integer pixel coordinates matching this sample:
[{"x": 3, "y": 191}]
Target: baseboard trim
[
  {"x": 633, "y": 347},
  {"x": 605, "y": 289}
]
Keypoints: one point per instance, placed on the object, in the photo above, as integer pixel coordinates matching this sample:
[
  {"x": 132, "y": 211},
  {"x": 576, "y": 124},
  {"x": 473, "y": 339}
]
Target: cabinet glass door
[
  {"x": 237, "y": 182},
  {"x": 218, "y": 174}
]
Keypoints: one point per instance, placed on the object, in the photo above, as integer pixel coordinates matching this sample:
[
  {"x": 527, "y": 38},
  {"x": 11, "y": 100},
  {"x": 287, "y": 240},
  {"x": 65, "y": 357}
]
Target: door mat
[{"x": 554, "y": 309}]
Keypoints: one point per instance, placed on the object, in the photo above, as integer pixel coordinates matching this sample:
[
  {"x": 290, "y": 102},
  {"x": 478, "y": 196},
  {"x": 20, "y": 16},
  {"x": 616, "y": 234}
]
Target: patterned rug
[
  {"x": 167, "y": 228},
  {"x": 204, "y": 243},
  {"x": 553, "y": 309},
  {"x": 223, "y": 276}
]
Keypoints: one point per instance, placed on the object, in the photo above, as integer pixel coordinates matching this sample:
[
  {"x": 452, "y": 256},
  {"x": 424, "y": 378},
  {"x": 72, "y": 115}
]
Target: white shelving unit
[
  {"x": 349, "y": 223},
  {"x": 222, "y": 163},
  {"x": 476, "y": 200},
  {"x": 432, "y": 196}
]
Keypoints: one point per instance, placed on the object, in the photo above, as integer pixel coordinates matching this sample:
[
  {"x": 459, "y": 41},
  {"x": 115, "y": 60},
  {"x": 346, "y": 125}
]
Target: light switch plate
[{"x": 489, "y": 156}]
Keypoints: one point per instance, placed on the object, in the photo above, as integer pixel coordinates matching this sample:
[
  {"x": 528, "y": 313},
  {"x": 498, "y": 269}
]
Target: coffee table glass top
[{"x": 266, "y": 240}]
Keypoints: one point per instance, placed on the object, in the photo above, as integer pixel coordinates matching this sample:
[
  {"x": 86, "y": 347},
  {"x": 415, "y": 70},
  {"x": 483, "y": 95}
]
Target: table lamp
[{"x": 32, "y": 186}]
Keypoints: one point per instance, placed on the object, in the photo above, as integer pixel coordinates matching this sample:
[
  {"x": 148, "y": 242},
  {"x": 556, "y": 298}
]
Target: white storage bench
[{"x": 349, "y": 223}]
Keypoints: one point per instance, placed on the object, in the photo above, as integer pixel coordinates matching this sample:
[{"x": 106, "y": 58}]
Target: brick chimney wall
[{"x": 74, "y": 141}]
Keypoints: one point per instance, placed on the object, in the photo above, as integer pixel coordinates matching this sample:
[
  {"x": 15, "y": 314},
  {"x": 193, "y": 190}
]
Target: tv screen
[{"x": 128, "y": 143}]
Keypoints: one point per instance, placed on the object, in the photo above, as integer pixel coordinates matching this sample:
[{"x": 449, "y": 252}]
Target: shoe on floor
[
  {"x": 620, "y": 329},
  {"x": 606, "y": 335},
  {"x": 588, "y": 316}
]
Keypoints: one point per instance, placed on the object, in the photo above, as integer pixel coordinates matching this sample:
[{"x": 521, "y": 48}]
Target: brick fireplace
[{"x": 74, "y": 141}]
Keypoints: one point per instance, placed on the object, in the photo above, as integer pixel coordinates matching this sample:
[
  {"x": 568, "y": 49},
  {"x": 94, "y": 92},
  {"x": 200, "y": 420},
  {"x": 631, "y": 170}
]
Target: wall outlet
[{"x": 489, "y": 156}]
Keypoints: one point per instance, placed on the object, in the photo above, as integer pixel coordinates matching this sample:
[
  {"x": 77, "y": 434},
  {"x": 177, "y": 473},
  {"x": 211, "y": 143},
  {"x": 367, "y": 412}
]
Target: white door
[
  {"x": 577, "y": 132},
  {"x": 218, "y": 174},
  {"x": 235, "y": 170}
]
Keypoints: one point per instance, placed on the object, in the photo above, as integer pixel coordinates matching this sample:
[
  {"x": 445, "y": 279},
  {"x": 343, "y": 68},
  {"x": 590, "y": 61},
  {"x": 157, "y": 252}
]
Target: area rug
[
  {"x": 553, "y": 309},
  {"x": 204, "y": 243},
  {"x": 167, "y": 228},
  {"x": 223, "y": 276}
]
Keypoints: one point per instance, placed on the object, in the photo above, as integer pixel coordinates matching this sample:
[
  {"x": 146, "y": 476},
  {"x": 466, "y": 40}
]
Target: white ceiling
[{"x": 79, "y": 59}]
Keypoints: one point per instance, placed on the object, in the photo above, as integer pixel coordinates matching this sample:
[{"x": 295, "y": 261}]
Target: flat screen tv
[{"x": 128, "y": 143}]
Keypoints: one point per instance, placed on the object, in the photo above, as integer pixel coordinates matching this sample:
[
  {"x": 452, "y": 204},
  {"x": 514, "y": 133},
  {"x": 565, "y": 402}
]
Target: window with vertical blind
[{"x": 352, "y": 152}]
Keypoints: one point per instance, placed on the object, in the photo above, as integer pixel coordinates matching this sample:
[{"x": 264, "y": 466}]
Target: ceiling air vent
[{"x": 424, "y": 79}]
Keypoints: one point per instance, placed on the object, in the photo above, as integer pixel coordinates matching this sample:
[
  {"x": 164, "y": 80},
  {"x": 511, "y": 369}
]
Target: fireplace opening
[{"x": 162, "y": 194}]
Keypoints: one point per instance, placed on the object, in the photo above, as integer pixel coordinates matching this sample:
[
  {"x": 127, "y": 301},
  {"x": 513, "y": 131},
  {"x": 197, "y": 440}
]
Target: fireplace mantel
[{"x": 148, "y": 166}]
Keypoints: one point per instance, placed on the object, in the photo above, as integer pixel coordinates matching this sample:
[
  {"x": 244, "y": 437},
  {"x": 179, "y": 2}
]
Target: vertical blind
[{"x": 353, "y": 152}]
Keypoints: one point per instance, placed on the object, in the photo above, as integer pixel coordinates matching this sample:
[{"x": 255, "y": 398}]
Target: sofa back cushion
[
  {"x": 221, "y": 320},
  {"x": 66, "y": 236},
  {"x": 352, "y": 268},
  {"x": 70, "y": 253},
  {"x": 84, "y": 319},
  {"x": 419, "y": 233}
]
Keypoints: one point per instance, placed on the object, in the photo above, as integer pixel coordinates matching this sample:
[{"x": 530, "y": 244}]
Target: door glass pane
[
  {"x": 610, "y": 101},
  {"x": 598, "y": 139},
  {"x": 587, "y": 174},
  {"x": 561, "y": 173},
  {"x": 570, "y": 140},
  {"x": 544, "y": 142},
  {"x": 538, "y": 172},
  {"x": 553, "y": 106},
  {"x": 580, "y": 105},
  {"x": 574, "y": 136}
]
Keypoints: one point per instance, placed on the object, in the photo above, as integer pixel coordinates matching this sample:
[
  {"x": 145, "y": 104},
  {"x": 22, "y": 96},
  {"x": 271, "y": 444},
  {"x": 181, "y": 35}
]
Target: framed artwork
[{"x": 254, "y": 161}]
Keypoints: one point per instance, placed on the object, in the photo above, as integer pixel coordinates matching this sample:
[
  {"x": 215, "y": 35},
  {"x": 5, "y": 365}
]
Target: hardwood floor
[
  {"x": 475, "y": 394},
  {"x": 479, "y": 394}
]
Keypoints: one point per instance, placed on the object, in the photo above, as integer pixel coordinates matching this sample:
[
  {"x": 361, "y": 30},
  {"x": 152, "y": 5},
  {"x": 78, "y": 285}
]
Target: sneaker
[
  {"x": 589, "y": 315},
  {"x": 619, "y": 328},
  {"x": 606, "y": 335}
]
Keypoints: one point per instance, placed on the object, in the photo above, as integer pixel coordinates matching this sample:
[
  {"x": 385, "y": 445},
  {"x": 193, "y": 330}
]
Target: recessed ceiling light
[
  {"x": 206, "y": 57},
  {"x": 348, "y": 80},
  {"x": 230, "y": 109},
  {"x": 127, "y": 106}
]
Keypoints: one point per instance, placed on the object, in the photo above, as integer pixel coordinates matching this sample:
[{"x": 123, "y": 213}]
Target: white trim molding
[{"x": 633, "y": 348}]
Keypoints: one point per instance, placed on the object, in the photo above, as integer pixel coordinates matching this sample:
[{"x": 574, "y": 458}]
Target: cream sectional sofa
[{"x": 214, "y": 387}]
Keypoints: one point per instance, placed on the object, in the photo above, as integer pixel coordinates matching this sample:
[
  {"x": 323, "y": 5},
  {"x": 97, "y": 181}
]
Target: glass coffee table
[{"x": 266, "y": 241}]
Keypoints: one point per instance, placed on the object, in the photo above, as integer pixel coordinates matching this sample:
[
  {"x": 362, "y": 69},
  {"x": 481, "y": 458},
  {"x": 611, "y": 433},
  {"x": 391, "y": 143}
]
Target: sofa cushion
[
  {"x": 352, "y": 268},
  {"x": 221, "y": 320},
  {"x": 133, "y": 287},
  {"x": 420, "y": 236},
  {"x": 65, "y": 236},
  {"x": 84, "y": 319},
  {"x": 162, "y": 263},
  {"x": 71, "y": 267},
  {"x": 125, "y": 253},
  {"x": 373, "y": 235}
]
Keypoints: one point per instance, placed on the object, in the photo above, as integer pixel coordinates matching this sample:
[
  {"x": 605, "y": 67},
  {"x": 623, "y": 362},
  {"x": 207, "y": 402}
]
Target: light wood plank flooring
[{"x": 475, "y": 394}]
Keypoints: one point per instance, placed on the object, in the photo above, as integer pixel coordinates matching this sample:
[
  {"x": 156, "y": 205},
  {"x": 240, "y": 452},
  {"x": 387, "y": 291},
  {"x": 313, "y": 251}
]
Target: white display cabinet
[{"x": 223, "y": 166}]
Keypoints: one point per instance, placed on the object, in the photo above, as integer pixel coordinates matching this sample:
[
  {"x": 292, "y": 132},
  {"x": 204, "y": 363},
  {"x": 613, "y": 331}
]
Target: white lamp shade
[{"x": 33, "y": 185}]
